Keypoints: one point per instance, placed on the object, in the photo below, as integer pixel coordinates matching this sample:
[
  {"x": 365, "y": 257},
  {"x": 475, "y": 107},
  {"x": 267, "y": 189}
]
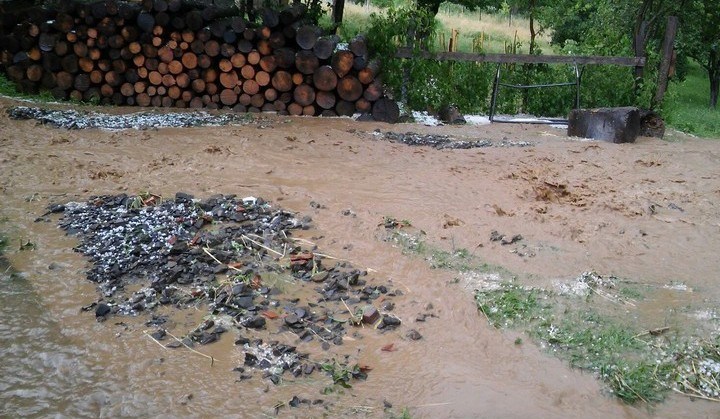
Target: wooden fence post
[{"x": 666, "y": 60}]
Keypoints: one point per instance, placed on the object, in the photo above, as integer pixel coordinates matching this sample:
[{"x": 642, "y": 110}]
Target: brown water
[{"x": 578, "y": 205}]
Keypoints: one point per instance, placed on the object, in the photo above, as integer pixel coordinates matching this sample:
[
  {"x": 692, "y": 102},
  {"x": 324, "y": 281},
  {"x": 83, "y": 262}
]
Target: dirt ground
[{"x": 648, "y": 211}]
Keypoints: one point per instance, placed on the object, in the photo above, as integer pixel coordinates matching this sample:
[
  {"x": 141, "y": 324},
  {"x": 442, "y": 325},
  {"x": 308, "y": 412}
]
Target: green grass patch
[
  {"x": 636, "y": 365},
  {"x": 687, "y": 105},
  {"x": 509, "y": 306},
  {"x": 592, "y": 322},
  {"x": 412, "y": 242},
  {"x": 8, "y": 88}
]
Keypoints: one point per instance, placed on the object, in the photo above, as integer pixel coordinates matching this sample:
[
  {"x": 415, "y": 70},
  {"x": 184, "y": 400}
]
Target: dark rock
[
  {"x": 159, "y": 334},
  {"x": 256, "y": 322},
  {"x": 56, "y": 208},
  {"x": 242, "y": 340},
  {"x": 182, "y": 197},
  {"x": 320, "y": 276},
  {"x": 451, "y": 115},
  {"x": 292, "y": 320},
  {"x": 208, "y": 338},
  {"x": 245, "y": 302},
  {"x": 616, "y": 125},
  {"x": 250, "y": 359},
  {"x": 651, "y": 124},
  {"x": 413, "y": 335},
  {"x": 514, "y": 239},
  {"x": 294, "y": 402},
  {"x": 308, "y": 369},
  {"x": 390, "y": 321},
  {"x": 102, "y": 310}
]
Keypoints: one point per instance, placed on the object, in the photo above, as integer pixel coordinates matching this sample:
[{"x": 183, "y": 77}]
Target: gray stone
[{"x": 615, "y": 125}]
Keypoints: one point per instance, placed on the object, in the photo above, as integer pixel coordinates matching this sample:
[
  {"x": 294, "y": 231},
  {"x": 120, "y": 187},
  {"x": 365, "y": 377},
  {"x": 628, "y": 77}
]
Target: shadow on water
[{"x": 42, "y": 372}]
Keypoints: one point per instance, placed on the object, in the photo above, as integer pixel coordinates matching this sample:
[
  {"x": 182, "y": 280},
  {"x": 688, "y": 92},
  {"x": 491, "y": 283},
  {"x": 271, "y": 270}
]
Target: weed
[
  {"x": 458, "y": 260},
  {"x": 636, "y": 381},
  {"x": 341, "y": 373},
  {"x": 27, "y": 245},
  {"x": 630, "y": 293}
]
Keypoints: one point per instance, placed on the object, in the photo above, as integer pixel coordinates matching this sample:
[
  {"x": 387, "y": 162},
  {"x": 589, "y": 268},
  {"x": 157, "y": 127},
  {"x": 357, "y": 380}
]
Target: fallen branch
[{"x": 212, "y": 360}]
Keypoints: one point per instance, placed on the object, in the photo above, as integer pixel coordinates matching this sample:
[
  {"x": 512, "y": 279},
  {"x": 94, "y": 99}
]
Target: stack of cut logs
[{"x": 164, "y": 53}]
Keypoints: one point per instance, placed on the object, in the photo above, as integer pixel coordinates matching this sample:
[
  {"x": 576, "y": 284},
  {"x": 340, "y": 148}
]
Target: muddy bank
[{"x": 579, "y": 206}]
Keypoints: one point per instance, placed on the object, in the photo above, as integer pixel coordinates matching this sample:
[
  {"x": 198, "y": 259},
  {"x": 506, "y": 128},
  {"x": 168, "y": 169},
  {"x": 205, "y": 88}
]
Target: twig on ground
[
  {"x": 653, "y": 332},
  {"x": 698, "y": 396},
  {"x": 433, "y": 404},
  {"x": 255, "y": 242},
  {"x": 212, "y": 360},
  {"x": 153, "y": 339},
  {"x": 207, "y": 251}
]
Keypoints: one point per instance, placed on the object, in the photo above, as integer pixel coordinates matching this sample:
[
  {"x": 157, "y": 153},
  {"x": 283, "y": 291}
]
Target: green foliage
[
  {"x": 686, "y": 105},
  {"x": 399, "y": 27},
  {"x": 341, "y": 373},
  {"x": 508, "y": 306},
  {"x": 701, "y": 40},
  {"x": 426, "y": 85}
]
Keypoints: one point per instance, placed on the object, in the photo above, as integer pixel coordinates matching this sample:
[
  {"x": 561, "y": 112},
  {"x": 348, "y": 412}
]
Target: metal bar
[
  {"x": 523, "y": 58},
  {"x": 531, "y": 86},
  {"x": 577, "y": 87},
  {"x": 493, "y": 101},
  {"x": 543, "y": 121}
]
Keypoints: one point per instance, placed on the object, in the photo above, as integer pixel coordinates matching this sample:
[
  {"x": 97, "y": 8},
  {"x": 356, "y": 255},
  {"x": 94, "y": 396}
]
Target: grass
[
  {"x": 687, "y": 105},
  {"x": 411, "y": 241},
  {"x": 589, "y": 322},
  {"x": 494, "y": 30},
  {"x": 636, "y": 365},
  {"x": 513, "y": 305},
  {"x": 7, "y": 88}
]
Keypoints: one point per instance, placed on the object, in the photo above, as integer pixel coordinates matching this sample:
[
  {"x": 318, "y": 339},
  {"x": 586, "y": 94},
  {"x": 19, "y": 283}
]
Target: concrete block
[{"x": 616, "y": 125}]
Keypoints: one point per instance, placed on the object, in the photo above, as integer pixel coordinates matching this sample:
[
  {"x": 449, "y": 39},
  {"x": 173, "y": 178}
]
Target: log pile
[{"x": 165, "y": 53}]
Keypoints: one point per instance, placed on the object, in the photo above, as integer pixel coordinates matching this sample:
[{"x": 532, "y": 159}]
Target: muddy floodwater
[{"x": 648, "y": 211}]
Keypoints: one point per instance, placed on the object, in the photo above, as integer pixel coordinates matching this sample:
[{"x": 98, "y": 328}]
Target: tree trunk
[{"x": 714, "y": 74}]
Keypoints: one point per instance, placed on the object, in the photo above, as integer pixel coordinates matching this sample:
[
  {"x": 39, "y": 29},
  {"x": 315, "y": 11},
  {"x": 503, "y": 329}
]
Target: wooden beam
[
  {"x": 522, "y": 58},
  {"x": 666, "y": 59}
]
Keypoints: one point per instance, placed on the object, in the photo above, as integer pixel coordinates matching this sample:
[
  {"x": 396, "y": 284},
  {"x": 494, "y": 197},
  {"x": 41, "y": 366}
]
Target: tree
[{"x": 700, "y": 39}]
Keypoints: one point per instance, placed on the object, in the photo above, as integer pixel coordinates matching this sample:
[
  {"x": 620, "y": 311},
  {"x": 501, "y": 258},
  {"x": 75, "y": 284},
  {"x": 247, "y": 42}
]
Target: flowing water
[{"x": 58, "y": 361}]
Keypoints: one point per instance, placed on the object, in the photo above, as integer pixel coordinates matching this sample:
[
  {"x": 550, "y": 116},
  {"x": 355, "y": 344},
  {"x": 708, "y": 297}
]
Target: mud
[{"x": 578, "y": 205}]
